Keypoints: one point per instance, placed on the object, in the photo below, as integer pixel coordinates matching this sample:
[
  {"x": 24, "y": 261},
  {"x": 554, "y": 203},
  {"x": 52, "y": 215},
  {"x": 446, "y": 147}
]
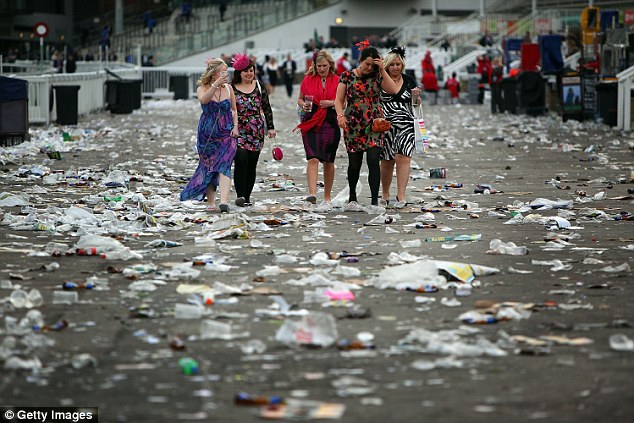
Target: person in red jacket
[
  {"x": 484, "y": 69},
  {"x": 343, "y": 64},
  {"x": 429, "y": 79},
  {"x": 453, "y": 86},
  {"x": 427, "y": 63}
]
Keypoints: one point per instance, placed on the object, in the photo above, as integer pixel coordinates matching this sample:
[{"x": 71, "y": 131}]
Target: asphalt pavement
[{"x": 408, "y": 314}]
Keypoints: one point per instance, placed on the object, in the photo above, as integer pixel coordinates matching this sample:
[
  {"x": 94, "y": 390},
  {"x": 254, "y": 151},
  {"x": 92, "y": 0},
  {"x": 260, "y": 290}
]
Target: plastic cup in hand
[
  {"x": 230, "y": 72},
  {"x": 308, "y": 102}
]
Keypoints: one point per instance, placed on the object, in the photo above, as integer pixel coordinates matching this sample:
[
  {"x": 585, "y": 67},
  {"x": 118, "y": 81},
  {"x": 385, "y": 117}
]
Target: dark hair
[
  {"x": 237, "y": 75},
  {"x": 369, "y": 52}
]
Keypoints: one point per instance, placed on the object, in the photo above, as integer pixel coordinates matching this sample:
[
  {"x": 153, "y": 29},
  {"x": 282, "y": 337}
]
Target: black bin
[
  {"x": 180, "y": 85},
  {"x": 509, "y": 95},
  {"x": 66, "y": 103},
  {"x": 123, "y": 95},
  {"x": 607, "y": 102},
  {"x": 14, "y": 112},
  {"x": 532, "y": 93}
]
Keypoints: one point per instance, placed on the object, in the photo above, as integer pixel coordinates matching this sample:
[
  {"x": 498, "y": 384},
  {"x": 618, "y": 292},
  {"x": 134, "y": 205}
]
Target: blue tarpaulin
[
  {"x": 12, "y": 89},
  {"x": 609, "y": 19},
  {"x": 550, "y": 52}
]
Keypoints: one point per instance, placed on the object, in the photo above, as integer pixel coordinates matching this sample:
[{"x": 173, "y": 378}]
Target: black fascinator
[{"x": 399, "y": 50}]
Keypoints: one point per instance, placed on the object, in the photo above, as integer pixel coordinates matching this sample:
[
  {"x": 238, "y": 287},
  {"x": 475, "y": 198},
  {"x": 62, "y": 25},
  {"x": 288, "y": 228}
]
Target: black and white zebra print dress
[{"x": 398, "y": 110}]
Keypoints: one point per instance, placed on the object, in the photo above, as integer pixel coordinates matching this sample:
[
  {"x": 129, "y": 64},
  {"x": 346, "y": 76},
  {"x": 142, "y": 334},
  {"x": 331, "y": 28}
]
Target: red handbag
[
  {"x": 381, "y": 125},
  {"x": 278, "y": 154}
]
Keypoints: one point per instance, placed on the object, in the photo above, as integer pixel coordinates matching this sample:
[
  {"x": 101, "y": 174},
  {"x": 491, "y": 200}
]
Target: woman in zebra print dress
[{"x": 399, "y": 141}]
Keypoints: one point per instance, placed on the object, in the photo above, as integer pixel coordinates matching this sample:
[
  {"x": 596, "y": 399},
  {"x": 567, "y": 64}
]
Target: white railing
[
  {"x": 572, "y": 61},
  {"x": 90, "y": 97},
  {"x": 624, "y": 102},
  {"x": 465, "y": 61}
]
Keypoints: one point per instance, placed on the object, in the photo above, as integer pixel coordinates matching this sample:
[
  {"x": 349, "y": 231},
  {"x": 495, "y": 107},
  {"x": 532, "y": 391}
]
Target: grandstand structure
[{"x": 181, "y": 44}]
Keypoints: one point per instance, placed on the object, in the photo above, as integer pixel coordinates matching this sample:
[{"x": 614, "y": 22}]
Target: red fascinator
[
  {"x": 240, "y": 61},
  {"x": 363, "y": 44}
]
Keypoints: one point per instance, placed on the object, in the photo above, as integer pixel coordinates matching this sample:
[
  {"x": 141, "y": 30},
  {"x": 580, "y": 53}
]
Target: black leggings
[
  {"x": 355, "y": 160},
  {"x": 244, "y": 172}
]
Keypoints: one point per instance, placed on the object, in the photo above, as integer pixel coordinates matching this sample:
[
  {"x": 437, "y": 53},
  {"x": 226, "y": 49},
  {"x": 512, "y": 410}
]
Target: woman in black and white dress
[{"x": 399, "y": 141}]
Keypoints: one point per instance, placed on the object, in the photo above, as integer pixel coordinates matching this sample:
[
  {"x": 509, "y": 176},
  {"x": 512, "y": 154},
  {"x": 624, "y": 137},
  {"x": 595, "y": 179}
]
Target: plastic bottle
[
  {"x": 43, "y": 227},
  {"x": 93, "y": 251},
  {"x": 121, "y": 254},
  {"x": 424, "y": 288},
  {"x": 243, "y": 398},
  {"x": 69, "y": 286},
  {"x": 57, "y": 326},
  {"x": 188, "y": 366},
  {"x": 208, "y": 297},
  {"x": 346, "y": 345}
]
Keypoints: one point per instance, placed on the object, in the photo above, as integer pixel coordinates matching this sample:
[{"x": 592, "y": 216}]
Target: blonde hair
[
  {"x": 321, "y": 55},
  {"x": 390, "y": 58},
  {"x": 213, "y": 66}
]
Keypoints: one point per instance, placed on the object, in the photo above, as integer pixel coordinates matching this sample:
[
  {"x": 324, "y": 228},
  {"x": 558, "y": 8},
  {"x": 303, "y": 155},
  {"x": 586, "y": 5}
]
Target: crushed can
[{"x": 438, "y": 172}]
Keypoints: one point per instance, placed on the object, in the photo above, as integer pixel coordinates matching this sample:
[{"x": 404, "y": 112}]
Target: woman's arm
[
  {"x": 268, "y": 113},
  {"x": 234, "y": 112},
  {"x": 340, "y": 101},
  {"x": 205, "y": 93},
  {"x": 387, "y": 84}
]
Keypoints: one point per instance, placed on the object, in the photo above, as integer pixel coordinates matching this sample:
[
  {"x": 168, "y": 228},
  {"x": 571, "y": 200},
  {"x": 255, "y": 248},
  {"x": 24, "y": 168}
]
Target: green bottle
[{"x": 188, "y": 365}]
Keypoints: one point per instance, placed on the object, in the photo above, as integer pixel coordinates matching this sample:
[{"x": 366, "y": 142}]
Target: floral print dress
[
  {"x": 251, "y": 123},
  {"x": 362, "y": 107}
]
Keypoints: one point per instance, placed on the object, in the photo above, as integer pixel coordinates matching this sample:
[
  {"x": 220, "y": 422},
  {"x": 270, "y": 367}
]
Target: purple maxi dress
[{"x": 216, "y": 149}]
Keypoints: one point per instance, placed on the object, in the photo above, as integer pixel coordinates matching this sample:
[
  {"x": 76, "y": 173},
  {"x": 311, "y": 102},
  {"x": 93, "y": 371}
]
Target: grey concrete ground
[{"x": 550, "y": 359}]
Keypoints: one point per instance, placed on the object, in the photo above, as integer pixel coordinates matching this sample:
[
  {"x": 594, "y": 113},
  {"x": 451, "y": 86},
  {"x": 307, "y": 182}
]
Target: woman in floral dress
[
  {"x": 252, "y": 100},
  {"x": 357, "y": 105},
  {"x": 216, "y": 144}
]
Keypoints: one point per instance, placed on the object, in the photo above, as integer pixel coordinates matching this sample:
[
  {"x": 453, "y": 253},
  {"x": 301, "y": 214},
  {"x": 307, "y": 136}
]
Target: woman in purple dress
[{"x": 217, "y": 132}]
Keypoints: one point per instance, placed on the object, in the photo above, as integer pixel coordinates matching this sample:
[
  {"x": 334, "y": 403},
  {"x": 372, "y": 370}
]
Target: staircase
[{"x": 173, "y": 37}]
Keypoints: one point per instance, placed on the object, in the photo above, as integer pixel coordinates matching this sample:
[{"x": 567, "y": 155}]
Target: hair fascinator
[
  {"x": 363, "y": 44},
  {"x": 398, "y": 50},
  {"x": 208, "y": 61},
  {"x": 240, "y": 61}
]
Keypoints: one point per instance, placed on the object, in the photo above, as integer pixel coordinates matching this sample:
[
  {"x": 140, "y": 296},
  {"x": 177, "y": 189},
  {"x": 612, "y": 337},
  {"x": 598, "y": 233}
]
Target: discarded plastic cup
[
  {"x": 308, "y": 102},
  {"x": 463, "y": 290},
  {"x": 210, "y": 329},
  {"x": 18, "y": 298},
  {"x": 65, "y": 297},
  {"x": 620, "y": 342},
  {"x": 253, "y": 346},
  {"x": 34, "y": 299},
  {"x": 188, "y": 311}
]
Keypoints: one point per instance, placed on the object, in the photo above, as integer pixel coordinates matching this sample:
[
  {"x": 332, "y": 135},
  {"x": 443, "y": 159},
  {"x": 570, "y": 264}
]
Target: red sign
[
  {"x": 40, "y": 29},
  {"x": 628, "y": 17}
]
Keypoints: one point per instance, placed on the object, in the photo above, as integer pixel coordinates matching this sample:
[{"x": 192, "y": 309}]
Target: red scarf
[{"x": 311, "y": 85}]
